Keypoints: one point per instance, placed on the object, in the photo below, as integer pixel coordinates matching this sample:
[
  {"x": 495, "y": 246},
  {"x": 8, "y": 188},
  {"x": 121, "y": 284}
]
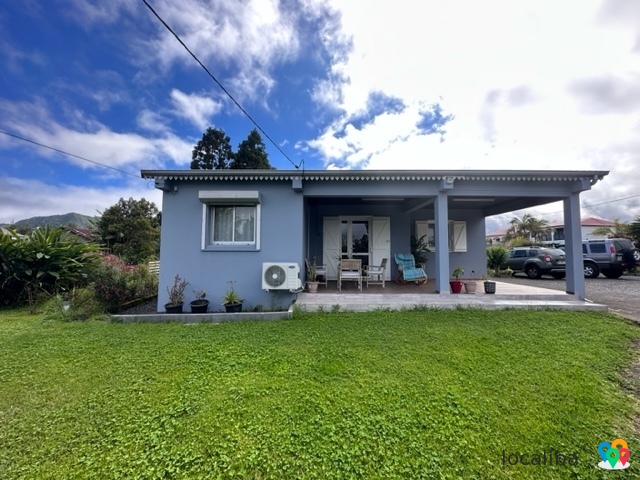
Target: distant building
[
  {"x": 84, "y": 234},
  {"x": 556, "y": 233}
]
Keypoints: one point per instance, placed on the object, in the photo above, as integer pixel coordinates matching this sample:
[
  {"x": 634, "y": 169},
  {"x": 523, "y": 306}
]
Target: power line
[
  {"x": 595, "y": 204},
  {"x": 218, "y": 83},
  {"x": 68, "y": 154}
]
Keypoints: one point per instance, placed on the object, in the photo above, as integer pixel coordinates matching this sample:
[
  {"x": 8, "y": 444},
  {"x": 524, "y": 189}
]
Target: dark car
[
  {"x": 610, "y": 256},
  {"x": 537, "y": 261}
]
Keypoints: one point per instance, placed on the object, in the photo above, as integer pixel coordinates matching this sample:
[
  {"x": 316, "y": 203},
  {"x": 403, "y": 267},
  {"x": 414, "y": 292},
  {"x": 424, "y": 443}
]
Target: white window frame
[
  {"x": 215, "y": 199},
  {"x": 457, "y": 236}
]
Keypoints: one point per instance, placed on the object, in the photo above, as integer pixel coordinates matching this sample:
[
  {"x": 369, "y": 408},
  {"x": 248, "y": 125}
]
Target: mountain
[{"x": 76, "y": 219}]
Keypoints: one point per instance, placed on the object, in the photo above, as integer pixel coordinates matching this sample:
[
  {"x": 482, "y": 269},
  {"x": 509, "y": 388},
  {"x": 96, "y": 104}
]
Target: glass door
[{"x": 355, "y": 239}]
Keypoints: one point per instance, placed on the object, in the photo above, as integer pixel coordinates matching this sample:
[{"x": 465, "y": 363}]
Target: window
[
  {"x": 233, "y": 224},
  {"x": 457, "y": 235},
  {"x": 231, "y": 220}
]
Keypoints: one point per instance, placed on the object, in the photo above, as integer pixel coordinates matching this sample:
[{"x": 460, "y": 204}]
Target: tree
[
  {"x": 213, "y": 151},
  {"x": 131, "y": 229},
  {"x": 619, "y": 229},
  {"x": 527, "y": 227},
  {"x": 634, "y": 230},
  {"x": 251, "y": 153}
]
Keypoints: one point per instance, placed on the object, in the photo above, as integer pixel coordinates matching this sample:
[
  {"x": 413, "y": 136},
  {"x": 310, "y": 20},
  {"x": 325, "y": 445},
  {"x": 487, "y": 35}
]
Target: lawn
[{"x": 414, "y": 394}]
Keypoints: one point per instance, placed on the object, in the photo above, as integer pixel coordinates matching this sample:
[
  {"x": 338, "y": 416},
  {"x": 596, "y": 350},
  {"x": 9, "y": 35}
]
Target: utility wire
[
  {"x": 218, "y": 83},
  {"x": 68, "y": 154},
  {"x": 595, "y": 204}
]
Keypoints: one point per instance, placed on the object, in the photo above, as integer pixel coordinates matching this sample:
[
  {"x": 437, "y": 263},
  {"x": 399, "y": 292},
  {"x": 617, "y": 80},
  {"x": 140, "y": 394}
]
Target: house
[
  {"x": 587, "y": 227},
  {"x": 221, "y": 226},
  {"x": 83, "y": 235},
  {"x": 556, "y": 232}
]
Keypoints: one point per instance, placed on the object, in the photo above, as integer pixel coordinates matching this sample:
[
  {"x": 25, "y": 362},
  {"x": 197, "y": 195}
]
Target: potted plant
[
  {"x": 231, "y": 300},
  {"x": 470, "y": 285},
  {"x": 456, "y": 285},
  {"x": 419, "y": 250},
  {"x": 200, "y": 304},
  {"x": 312, "y": 281},
  {"x": 176, "y": 295},
  {"x": 489, "y": 286}
]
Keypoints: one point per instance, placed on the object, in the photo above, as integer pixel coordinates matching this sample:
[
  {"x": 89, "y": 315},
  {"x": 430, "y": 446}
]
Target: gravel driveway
[{"x": 621, "y": 295}]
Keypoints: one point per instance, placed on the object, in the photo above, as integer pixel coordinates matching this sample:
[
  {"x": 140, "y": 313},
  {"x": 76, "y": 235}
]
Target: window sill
[{"x": 230, "y": 248}]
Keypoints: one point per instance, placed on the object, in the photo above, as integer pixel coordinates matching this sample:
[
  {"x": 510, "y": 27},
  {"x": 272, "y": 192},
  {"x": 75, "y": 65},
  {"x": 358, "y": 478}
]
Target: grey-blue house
[{"x": 221, "y": 226}]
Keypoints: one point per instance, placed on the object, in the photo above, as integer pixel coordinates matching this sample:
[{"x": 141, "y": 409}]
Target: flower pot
[
  {"x": 199, "y": 306},
  {"x": 470, "y": 287},
  {"x": 456, "y": 286},
  {"x": 489, "y": 287},
  {"x": 312, "y": 287},
  {"x": 170, "y": 308},
  {"x": 233, "y": 307}
]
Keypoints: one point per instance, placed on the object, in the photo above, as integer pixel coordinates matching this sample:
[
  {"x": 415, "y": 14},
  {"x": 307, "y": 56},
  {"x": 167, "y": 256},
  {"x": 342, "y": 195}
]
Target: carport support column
[
  {"x": 573, "y": 246},
  {"x": 442, "y": 243}
]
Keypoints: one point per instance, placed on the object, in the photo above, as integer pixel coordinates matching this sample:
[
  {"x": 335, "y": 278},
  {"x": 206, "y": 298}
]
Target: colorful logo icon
[{"x": 615, "y": 455}]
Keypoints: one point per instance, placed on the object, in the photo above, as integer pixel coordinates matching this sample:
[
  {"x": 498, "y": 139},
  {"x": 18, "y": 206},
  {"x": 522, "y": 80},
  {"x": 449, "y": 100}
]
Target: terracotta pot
[{"x": 470, "y": 287}]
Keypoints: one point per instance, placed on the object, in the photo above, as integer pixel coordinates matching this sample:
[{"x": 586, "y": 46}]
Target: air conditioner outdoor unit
[{"x": 280, "y": 276}]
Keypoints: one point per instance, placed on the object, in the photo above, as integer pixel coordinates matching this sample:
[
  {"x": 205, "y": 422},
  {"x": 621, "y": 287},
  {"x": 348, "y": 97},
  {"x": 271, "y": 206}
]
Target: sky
[{"x": 430, "y": 84}]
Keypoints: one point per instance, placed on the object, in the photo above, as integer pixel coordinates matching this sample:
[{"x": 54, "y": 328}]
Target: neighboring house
[
  {"x": 497, "y": 237},
  {"x": 587, "y": 226},
  {"x": 222, "y": 225},
  {"x": 84, "y": 235},
  {"x": 556, "y": 231}
]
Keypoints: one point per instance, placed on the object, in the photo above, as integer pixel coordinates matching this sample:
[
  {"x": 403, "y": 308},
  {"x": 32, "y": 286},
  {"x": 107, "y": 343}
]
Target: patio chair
[
  {"x": 321, "y": 271},
  {"x": 350, "y": 269},
  {"x": 407, "y": 270},
  {"x": 375, "y": 273}
]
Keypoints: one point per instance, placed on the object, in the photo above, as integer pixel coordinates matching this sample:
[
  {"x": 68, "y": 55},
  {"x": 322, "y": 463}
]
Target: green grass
[{"x": 416, "y": 394}]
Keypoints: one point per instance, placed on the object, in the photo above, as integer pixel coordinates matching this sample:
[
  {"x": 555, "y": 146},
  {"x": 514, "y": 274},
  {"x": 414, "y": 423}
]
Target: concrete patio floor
[{"x": 398, "y": 297}]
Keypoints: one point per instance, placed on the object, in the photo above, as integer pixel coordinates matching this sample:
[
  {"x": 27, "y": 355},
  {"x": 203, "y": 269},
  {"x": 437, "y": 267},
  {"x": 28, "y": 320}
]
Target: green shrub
[
  {"x": 116, "y": 283},
  {"x": 496, "y": 256},
  {"x": 43, "y": 263},
  {"x": 82, "y": 306}
]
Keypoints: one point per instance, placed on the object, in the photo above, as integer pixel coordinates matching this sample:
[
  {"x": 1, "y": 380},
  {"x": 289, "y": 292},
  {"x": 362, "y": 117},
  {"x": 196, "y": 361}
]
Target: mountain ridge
[{"x": 76, "y": 219}]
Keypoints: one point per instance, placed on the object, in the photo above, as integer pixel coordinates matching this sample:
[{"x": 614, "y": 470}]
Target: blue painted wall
[{"x": 180, "y": 249}]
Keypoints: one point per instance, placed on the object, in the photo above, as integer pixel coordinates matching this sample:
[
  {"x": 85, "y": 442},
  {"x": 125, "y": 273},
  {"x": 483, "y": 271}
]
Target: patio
[{"x": 398, "y": 297}]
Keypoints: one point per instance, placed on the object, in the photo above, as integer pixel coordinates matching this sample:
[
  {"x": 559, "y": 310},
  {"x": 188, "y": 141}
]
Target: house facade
[{"x": 220, "y": 227}]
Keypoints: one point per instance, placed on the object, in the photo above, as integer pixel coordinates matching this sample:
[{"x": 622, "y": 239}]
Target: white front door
[
  {"x": 381, "y": 245},
  {"x": 331, "y": 245},
  {"x": 367, "y": 238}
]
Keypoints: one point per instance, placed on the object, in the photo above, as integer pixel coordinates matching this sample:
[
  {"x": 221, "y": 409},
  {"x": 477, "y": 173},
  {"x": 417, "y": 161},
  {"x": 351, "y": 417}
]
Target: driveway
[{"x": 621, "y": 295}]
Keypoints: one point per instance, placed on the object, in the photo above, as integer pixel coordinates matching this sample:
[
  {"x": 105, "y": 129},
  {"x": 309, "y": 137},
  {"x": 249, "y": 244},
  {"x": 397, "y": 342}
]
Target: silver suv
[
  {"x": 611, "y": 257},
  {"x": 537, "y": 261}
]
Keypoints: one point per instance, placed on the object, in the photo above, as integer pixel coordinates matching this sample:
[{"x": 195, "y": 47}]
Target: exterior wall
[
  {"x": 475, "y": 258},
  {"x": 280, "y": 225}
]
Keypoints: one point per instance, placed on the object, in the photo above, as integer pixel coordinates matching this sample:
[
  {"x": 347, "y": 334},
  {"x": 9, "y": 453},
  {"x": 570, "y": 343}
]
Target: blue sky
[{"x": 498, "y": 84}]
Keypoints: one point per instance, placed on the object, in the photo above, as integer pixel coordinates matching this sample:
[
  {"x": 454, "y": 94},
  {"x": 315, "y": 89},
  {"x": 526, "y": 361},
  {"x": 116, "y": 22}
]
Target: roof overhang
[{"x": 378, "y": 175}]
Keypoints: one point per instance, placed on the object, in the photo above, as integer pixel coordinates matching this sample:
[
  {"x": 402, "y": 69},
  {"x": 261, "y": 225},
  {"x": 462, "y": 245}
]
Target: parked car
[
  {"x": 611, "y": 257},
  {"x": 537, "y": 261}
]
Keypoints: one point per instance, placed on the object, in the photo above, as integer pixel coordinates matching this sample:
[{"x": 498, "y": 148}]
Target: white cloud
[
  {"x": 253, "y": 36},
  {"x": 96, "y": 142},
  {"x": 197, "y": 109},
  {"x": 47, "y": 199}
]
